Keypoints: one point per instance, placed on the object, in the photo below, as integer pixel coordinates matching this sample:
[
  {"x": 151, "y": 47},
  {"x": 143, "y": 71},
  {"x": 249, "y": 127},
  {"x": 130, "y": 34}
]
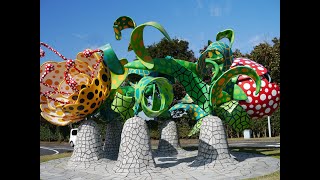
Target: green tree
[
  {"x": 178, "y": 49},
  {"x": 269, "y": 56}
]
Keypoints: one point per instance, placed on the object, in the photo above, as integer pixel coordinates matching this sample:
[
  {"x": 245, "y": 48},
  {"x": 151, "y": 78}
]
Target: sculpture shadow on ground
[
  {"x": 210, "y": 155},
  {"x": 165, "y": 149},
  {"x": 172, "y": 161}
]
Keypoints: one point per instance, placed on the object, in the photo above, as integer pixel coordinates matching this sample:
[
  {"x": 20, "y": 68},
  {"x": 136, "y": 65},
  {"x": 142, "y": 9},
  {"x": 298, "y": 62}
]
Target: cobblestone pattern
[
  {"x": 213, "y": 146},
  {"x": 112, "y": 139},
  {"x": 169, "y": 144},
  {"x": 89, "y": 143},
  {"x": 249, "y": 166},
  {"x": 135, "y": 156}
]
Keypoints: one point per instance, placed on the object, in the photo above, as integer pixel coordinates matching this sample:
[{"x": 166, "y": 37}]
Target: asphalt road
[
  {"x": 55, "y": 148},
  {"x": 52, "y": 148}
]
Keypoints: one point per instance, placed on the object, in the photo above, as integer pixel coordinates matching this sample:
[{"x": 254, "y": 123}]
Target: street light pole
[{"x": 269, "y": 126}]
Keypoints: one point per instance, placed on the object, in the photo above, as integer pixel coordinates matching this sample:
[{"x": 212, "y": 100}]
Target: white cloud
[
  {"x": 227, "y": 7},
  {"x": 198, "y": 7},
  {"x": 80, "y": 36},
  {"x": 199, "y": 4},
  {"x": 93, "y": 46},
  {"x": 255, "y": 40},
  {"x": 220, "y": 8},
  {"x": 215, "y": 11},
  {"x": 260, "y": 38}
]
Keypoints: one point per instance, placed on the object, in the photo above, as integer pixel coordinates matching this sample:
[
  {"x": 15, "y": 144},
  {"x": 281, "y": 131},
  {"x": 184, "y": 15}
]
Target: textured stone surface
[
  {"x": 135, "y": 154},
  {"x": 169, "y": 144},
  {"x": 213, "y": 145},
  {"x": 249, "y": 166},
  {"x": 112, "y": 139},
  {"x": 89, "y": 143},
  {"x": 135, "y": 161}
]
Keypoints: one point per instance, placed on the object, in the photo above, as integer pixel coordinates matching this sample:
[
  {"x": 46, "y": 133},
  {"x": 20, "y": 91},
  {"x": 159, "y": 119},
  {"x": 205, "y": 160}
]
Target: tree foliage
[
  {"x": 267, "y": 55},
  {"x": 178, "y": 49}
]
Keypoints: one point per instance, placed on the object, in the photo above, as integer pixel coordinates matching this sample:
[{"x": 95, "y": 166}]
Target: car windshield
[{"x": 74, "y": 132}]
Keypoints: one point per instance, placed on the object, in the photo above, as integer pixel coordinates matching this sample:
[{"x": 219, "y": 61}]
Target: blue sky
[{"x": 74, "y": 25}]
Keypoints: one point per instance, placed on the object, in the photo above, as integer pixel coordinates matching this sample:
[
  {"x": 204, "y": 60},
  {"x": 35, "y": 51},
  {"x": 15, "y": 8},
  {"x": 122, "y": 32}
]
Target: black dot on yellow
[
  {"x": 104, "y": 78},
  {"x": 75, "y": 97},
  {"x": 81, "y": 100},
  {"x": 96, "y": 82},
  {"x": 93, "y": 105},
  {"x": 81, "y": 107},
  {"x": 100, "y": 94},
  {"x": 96, "y": 91},
  {"x": 71, "y": 108},
  {"x": 90, "y": 95},
  {"x": 87, "y": 103},
  {"x": 86, "y": 110},
  {"x": 83, "y": 86}
]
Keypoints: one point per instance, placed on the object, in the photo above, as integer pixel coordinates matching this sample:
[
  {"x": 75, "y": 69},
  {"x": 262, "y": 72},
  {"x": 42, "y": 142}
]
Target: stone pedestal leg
[
  {"x": 88, "y": 144},
  {"x": 135, "y": 148},
  {"x": 213, "y": 145},
  {"x": 169, "y": 144}
]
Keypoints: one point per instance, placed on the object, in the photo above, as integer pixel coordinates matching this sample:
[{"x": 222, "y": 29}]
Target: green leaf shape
[
  {"x": 233, "y": 114},
  {"x": 165, "y": 92},
  {"x": 126, "y": 90},
  {"x": 196, "y": 128},
  {"x": 220, "y": 52},
  {"x": 137, "y": 43},
  {"x": 116, "y": 79},
  {"x": 194, "y": 110},
  {"x": 123, "y": 22},
  {"x": 217, "y": 71},
  {"x": 140, "y": 72},
  {"x": 123, "y": 105},
  {"x": 187, "y": 99},
  {"x": 194, "y": 86},
  {"x": 222, "y": 98},
  {"x": 239, "y": 94},
  {"x": 217, "y": 86},
  {"x": 110, "y": 58},
  {"x": 227, "y": 33}
]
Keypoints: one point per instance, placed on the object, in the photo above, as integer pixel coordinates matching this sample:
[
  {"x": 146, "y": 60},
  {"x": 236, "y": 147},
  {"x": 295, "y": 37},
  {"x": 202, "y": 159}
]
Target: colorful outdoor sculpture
[
  {"x": 75, "y": 90},
  {"x": 72, "y": 89},
  {"x": 268, "y": 99}
]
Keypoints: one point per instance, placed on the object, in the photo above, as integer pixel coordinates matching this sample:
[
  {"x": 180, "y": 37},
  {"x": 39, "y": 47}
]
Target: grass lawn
[{"x": 273, "y": 152}]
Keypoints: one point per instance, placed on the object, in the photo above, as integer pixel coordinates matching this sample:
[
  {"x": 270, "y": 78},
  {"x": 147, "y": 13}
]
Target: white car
[{"x": 73, "y": 137}]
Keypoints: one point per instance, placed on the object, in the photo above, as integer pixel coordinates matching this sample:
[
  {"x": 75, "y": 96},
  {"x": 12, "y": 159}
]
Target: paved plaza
[{"x": 181, "y": 166}]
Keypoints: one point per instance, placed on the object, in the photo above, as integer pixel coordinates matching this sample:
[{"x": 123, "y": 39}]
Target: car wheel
[{"x": 71, "y": 144}]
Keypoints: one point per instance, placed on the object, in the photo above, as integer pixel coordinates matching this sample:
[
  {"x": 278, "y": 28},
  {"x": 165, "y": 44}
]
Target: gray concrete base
[
  {"x": 213, "y": 144},
  {"x": 179, "y": 167},
  {"x": 89, "y": 146},
  {"x": 169, "y": 144},
  {"x": 135, "y": 156}
]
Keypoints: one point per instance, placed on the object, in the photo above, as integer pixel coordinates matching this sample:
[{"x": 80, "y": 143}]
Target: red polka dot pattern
[{"x": 261, "y": 70}]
